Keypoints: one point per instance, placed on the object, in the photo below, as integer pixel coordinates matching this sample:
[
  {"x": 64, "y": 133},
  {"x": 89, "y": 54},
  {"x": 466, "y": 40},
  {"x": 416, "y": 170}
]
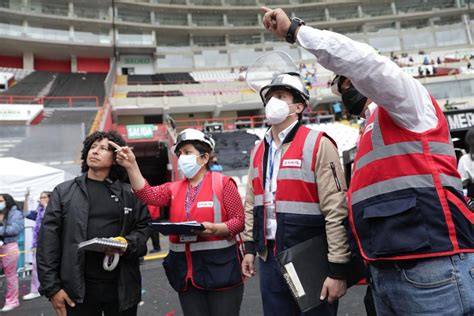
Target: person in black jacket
[{"x": 96, "y": 204}]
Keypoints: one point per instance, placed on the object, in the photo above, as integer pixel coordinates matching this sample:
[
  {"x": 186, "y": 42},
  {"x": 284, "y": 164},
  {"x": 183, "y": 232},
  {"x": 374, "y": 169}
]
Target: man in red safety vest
[
  {"x": 296, "y": 191},
  {"x": 407, "y": 211}
]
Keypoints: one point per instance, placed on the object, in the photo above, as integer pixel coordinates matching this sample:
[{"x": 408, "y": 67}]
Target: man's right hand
[
  {"x": 59, "y": 301},
  {"x": 248, "y": 265},
  {"x": 276, "y": 21}
]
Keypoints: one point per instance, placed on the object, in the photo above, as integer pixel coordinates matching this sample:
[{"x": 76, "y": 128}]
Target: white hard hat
[
  {"x": 191, "y": 134},
  {"x": 291, "y": 81}
]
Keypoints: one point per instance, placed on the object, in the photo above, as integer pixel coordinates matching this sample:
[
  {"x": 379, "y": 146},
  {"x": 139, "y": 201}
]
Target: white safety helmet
[
  {"x": 191, "y": 134},
  {"x": 290, "y": 81}
]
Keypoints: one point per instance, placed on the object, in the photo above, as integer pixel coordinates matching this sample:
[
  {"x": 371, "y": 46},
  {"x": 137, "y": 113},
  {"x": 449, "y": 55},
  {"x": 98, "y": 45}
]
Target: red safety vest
[
  {"x": 194, "y": 261},
  {"x": 296, "y": 198},
  {"x": 405, "y": 196}
]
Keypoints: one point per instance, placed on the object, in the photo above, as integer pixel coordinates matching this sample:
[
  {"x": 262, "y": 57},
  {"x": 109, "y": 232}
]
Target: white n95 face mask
[
  {"x": 188, "y": 165},
  {"x": 276, "y": 111}
]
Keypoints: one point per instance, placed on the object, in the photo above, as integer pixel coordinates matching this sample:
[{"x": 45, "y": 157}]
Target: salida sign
[
  {"x": 140, "y": 131},
  {"x": 460, "y": 120}
]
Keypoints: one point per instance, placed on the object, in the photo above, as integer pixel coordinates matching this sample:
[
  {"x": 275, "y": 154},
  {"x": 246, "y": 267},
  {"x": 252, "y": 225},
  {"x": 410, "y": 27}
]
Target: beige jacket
[{"x": 333, "y": 202}]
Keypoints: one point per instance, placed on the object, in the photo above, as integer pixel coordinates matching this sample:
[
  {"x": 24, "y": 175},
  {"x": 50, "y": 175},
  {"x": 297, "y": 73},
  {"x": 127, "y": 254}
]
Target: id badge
[
  {"x": 187, "y": 238},
  {"x": 268, "y": 199}
]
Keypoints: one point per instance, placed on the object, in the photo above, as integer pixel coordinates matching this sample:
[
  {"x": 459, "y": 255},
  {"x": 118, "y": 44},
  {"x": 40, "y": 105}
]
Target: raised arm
[
  {"x": 126, "y": 158},
  {"x": 373, "y": 75}
]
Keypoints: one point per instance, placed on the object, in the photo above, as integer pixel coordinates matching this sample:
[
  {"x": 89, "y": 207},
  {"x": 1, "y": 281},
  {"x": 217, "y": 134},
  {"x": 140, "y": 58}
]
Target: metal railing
[
  {"x": 245, "y": 122},
  {"x": 69, "y": 101}
]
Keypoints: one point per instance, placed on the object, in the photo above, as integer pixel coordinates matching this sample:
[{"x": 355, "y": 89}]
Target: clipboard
[
  {"x": 305, "y": 268},
  {"x": 181, "y": 228}
]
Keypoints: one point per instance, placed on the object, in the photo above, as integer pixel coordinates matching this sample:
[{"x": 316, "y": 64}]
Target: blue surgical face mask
[
  {"x": 2, "y": 206},
  {"x": 188, "y": 165}
]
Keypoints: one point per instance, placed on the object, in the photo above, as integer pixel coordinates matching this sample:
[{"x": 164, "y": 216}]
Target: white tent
[{"x": 17, "y": 175}]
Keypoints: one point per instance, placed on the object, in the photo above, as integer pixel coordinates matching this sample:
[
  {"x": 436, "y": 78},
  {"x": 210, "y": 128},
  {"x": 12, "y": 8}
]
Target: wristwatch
[{"x": 290, "y": 35}]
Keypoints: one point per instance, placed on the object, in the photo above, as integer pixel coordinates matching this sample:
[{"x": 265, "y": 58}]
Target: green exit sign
[
  {"x": 140, "y": 131},
  {"x": 137, "y": 60}
]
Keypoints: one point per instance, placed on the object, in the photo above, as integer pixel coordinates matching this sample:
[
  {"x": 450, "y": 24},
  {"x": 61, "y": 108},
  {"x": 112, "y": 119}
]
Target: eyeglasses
[{"x": 43, "y": 197}]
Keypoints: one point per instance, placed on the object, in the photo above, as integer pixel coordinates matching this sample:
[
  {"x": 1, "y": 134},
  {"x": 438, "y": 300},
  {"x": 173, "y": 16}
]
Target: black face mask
[{"x": 353, "y": 101}]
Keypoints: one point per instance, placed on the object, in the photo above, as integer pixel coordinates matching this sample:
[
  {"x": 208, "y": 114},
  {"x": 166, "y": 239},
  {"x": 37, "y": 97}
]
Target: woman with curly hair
[{"x": 96, "y": 204}]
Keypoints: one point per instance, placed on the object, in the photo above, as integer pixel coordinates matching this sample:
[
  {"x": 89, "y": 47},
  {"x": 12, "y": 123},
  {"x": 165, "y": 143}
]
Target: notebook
[
  {"x": 181, "y": 228},
  {"x": 101, "y": 244}
]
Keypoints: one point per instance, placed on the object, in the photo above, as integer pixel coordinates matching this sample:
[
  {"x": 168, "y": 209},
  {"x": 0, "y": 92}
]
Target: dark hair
[
  {"x": 469, "y": 141},
  {"x": 48, "y": 193},
  {"x": 9, "y": 203},
  {"x": 116, "y": 172},
  {"x": 201, "y": 147}
]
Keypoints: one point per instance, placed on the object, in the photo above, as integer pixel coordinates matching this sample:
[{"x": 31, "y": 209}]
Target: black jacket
[{"x": 61, "y": 265}]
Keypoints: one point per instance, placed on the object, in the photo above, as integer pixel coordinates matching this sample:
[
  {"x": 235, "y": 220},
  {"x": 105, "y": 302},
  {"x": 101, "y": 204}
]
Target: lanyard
[
  {"x": 271, "y": 164},
  {"x": 188, "y": 202}
]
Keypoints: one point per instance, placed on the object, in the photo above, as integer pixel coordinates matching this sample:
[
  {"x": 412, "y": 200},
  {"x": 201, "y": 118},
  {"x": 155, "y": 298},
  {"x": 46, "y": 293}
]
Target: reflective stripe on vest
[
  {"x": 217, "y": 209},
  {"x": 301, "y": 208},
  {"x": 404, "y": 148},
  {"x": 381, "y": 151},
  {"x": 400, "y": 183},
  {"x": 258, "y": 200},
  {"x": 205, "y": 245},
  {"x": 304, "y": 174}
]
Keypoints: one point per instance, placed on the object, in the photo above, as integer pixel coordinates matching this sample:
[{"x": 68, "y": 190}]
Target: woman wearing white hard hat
[{"x": 204, "y": 268}]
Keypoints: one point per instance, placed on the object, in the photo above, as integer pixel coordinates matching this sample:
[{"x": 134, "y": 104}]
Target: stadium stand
[
  {"x": 152, "y": 94},
  {"x": 69, "y": 84},
  {"x": 161, "y": 78},
  {"x": 32, "y": 85},
  {"x": 70, "y": 116},
  {"x": 18, "y": 73},
  {"x": 55, "y": 87},
  {"x": 215, "y": 75},
  {"x": 233, "y": 149}
]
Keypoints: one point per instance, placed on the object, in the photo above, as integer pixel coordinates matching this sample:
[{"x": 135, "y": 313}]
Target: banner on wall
[
  {"x": 19, "y": 113},
  {"x": 460, "y": 120},
  {"x": 137, "y": 64}
]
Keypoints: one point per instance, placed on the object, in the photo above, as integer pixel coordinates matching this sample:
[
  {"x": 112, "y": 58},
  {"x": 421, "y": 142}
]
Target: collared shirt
[
  {"x": 273, "y": 166},
  {"x": 374, "y": 75}
]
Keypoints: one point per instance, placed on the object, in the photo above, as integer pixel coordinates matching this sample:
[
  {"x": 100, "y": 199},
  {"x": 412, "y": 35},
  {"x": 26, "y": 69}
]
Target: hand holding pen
[{"x": 124, "y": 155}]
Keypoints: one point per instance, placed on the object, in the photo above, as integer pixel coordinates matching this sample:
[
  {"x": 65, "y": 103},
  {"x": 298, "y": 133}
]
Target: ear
[
  {"x": 206, "y": 157},
  {"x": 299, "y": 108}
]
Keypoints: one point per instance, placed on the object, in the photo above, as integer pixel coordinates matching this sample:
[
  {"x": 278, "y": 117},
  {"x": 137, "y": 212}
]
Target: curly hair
[{"x": 116, "y": 172}]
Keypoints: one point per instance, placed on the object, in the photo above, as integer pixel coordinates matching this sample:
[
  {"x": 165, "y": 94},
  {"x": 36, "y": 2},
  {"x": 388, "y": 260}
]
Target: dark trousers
[
  {"x": 155, "y": 240},
  {"x": 196, "y": 302},
  {"x": 276, "y": 296},
  {"x": 100, "y": 297}
]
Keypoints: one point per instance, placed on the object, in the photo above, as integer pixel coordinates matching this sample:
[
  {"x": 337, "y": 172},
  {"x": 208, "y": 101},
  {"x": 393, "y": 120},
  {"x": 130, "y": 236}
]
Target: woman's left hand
[{"x": 210, "y": 230}]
